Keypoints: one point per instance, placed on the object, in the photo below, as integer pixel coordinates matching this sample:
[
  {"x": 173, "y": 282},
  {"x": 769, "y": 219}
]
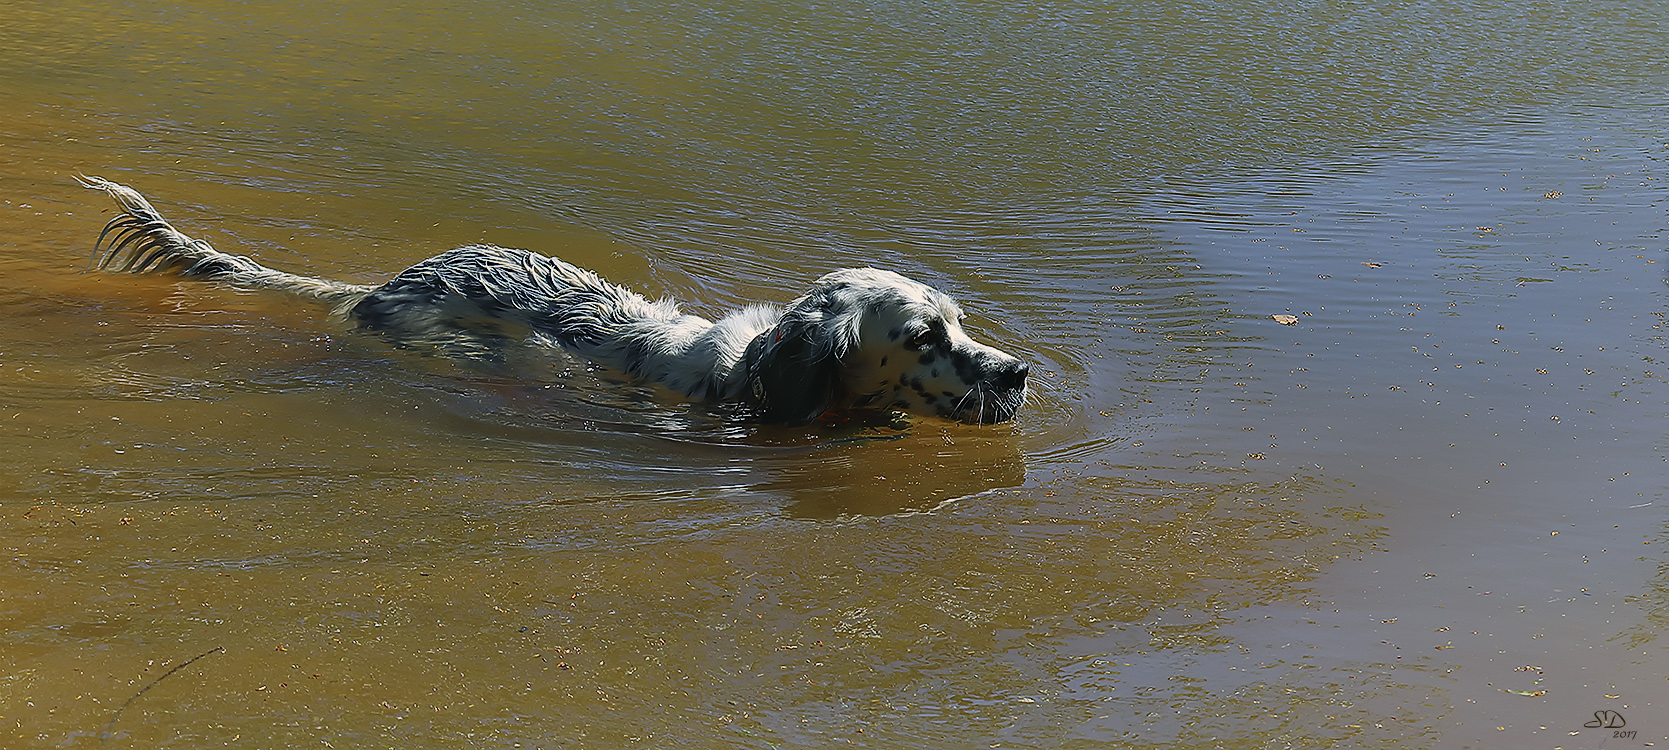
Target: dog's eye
[{"x": 923, "y": 340}]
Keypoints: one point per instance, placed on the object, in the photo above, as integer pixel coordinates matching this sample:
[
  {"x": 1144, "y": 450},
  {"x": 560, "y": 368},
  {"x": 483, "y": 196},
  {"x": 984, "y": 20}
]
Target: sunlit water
[{"x": 1428, "y": 514}]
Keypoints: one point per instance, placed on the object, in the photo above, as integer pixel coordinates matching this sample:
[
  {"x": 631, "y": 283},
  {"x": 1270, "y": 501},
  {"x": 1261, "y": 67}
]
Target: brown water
[{"x": 1430, "y": 514}]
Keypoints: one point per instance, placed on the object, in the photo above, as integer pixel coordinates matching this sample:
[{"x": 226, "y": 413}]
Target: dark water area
[{"x": 1428, "y": 512}]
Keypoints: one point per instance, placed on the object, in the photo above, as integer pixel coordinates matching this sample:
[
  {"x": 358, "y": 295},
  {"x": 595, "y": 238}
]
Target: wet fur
[{"x": 860, "y": 338}]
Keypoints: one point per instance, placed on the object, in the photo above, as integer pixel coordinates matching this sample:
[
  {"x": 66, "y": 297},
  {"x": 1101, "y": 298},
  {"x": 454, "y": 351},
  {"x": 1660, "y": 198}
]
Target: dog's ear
[{"x": 797, "y": 375}]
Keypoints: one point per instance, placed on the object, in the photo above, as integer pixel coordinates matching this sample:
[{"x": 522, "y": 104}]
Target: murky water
[{"x": 1429, "y": 514}]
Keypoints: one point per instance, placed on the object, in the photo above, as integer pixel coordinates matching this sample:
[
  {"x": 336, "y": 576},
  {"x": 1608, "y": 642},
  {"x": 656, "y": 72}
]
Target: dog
[{"x": 861, "y": 338}]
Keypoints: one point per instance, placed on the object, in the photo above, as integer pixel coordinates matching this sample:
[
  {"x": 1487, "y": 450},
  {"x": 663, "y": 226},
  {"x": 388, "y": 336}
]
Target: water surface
[{"x": 1429, "y": 514}]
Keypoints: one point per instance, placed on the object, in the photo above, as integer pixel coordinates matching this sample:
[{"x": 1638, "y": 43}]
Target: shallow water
[{"x": 1429, "y": 514}]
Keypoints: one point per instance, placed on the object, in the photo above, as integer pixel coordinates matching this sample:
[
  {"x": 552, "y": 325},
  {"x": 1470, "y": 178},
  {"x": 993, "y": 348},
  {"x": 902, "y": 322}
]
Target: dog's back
[
  {"x": 481, "y": 288},
  {"x": 471, "y": 302},
  {"x": 485, "y": 284}
]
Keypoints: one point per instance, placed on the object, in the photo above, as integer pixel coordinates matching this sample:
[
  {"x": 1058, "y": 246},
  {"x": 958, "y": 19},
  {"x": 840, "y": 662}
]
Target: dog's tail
[{"x": 141, "y": 241}]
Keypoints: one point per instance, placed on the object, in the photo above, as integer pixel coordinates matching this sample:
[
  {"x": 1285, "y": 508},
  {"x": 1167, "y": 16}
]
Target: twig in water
[{"x": 105, "y": 735}]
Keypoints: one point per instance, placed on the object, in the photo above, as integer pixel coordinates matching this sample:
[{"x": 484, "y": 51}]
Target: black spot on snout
[
  {"x": 993, "y": 369},
  {"x": 1012, "y": 377}
]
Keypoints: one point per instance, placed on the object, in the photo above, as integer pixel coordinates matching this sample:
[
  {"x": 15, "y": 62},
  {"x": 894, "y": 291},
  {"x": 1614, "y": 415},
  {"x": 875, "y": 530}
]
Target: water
[{"x": 1430, "y": 514}]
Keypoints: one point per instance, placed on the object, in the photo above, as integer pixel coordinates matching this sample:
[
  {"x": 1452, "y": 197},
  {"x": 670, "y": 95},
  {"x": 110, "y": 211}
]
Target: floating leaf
[{"x": 1286, "y": 320}]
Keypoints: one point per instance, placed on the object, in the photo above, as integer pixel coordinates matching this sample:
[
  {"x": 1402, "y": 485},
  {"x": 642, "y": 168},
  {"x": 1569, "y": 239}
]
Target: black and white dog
[{"x": 861, "y": 338}]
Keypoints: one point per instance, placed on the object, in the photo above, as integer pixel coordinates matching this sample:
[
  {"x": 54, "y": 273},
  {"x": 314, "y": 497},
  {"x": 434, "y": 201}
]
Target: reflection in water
[{"x": 914, "y": 473}]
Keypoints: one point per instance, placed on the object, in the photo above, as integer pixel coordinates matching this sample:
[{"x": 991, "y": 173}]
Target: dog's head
[{"x": 863, "y": 338}]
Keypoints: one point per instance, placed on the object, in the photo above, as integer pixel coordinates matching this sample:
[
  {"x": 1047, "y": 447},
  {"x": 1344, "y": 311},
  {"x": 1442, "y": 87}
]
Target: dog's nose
[{"x": 1013, "y": 377}]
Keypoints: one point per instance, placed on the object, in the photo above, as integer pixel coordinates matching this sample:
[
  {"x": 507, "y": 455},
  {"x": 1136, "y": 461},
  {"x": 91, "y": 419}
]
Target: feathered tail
[{"x": 141, "y": 241}]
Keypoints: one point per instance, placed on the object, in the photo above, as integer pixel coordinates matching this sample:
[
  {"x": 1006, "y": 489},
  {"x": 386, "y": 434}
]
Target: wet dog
[{"x": 861, "y": 338}]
